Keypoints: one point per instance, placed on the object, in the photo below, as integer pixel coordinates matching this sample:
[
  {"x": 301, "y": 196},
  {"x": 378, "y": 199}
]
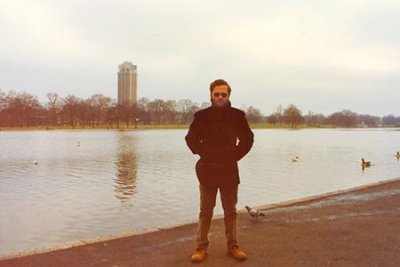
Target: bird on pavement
[{"x": 253, "y": 212}]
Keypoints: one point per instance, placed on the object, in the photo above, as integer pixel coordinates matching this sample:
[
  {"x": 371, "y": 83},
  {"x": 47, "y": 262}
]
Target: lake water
[{"x": 90, "y": 184}]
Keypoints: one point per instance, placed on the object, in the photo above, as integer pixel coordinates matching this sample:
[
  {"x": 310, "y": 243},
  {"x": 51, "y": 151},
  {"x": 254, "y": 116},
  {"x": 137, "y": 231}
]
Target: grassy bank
[
  {"x": 286, "y": 126},
  {"x": 161, "y": 127},
  {"x": 103, "y": 127}
]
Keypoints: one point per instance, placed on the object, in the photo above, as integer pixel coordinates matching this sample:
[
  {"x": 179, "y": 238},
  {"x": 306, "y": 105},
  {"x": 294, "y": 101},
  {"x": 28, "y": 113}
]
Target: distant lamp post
[{"x": 136, "y": 122}]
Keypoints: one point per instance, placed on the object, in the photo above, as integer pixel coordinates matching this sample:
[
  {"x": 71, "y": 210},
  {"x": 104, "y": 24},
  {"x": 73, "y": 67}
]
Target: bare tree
[
  {"x": 112, "y": 114},
  {"x": 134, "y": 114},
  {"x": 345, "y": 118},
  {"x": 3, "y": 105},
  {"x": 292, "y": 116},
  {"x": 156, "y": 109},
  {"x": 100, "y": 103},
  {"x": 22, "y": 109},
  {"x": 254, "y": 115},
  {"x": 169, "y": 111},
  {"x": 368, "y": 120},
  {"x": 186, "y": 108},
  {"x": 391, "y": 120},
  {"x": 85, "y": 112},
  {"x": 69, "y": 108},
  {"x": 143, "y": 109},
  {"x": 279, "y": 114},
  {"x": 2, "y": 99},
  {"x": 272, "y": 118},
  {"x": 54, "y": 107},
  {"x": 314, "y": 119}
]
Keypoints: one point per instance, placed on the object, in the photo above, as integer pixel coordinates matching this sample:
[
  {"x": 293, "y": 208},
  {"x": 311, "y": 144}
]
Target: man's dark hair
[{"x": 219, "y": 82}]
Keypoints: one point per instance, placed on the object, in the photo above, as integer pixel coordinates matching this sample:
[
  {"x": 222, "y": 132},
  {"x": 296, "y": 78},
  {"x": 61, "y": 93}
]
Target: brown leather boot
[
  {"x": 237, "y": 253},
  {"x": 199, "y": 255}
]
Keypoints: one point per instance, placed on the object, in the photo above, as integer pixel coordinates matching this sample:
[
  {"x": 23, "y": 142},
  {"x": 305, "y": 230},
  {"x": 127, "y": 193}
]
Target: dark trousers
[{"x": 208, "y": 196}]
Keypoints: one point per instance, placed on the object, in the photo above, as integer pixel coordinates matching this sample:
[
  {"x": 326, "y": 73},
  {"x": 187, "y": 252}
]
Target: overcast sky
[{"x": 322, "y": 56}]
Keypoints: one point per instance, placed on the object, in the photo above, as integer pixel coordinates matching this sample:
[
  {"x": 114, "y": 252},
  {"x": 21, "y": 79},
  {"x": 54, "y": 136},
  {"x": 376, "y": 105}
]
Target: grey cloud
[{"x": 290, "y": 51}]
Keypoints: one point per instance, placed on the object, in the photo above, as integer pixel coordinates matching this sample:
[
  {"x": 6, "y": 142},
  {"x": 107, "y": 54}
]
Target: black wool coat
[{"x": 221, "y": 136}]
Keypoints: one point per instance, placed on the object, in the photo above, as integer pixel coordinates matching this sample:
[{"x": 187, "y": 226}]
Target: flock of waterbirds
[{"x": 364, "y": 164}]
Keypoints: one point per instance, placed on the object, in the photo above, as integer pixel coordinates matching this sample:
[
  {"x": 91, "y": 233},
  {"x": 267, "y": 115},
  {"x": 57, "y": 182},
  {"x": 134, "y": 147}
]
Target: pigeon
[{"x": 253, "y": 212}]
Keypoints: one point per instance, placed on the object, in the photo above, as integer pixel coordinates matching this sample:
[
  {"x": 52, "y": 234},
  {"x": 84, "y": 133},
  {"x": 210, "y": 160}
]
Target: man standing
[{"x": 213, "y": 135}]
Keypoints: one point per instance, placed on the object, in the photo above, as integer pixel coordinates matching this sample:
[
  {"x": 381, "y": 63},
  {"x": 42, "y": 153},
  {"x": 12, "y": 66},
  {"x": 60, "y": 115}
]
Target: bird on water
[{"x": 365, "y": 163}]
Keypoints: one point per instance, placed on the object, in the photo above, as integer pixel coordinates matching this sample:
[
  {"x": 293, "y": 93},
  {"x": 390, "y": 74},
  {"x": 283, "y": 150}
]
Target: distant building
[{"x": 127, "y": 84}]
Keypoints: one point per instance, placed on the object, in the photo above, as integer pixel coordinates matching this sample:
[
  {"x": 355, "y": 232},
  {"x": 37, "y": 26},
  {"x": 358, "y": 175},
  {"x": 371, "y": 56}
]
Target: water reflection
[{"x": 126, "y": 171}]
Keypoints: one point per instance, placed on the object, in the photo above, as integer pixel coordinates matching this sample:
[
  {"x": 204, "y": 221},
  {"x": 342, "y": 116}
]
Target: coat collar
[{"x": 221, "y": 108}]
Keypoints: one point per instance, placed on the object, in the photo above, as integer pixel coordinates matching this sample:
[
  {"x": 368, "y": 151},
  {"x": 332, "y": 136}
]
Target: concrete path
[{"x": 359, "y": 227}]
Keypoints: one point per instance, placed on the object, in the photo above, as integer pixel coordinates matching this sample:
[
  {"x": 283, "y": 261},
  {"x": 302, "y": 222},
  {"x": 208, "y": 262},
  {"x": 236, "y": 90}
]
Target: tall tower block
[{"x": 127, "y": 84}]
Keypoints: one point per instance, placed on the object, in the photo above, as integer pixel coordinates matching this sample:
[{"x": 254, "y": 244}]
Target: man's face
[{"x": 220, "y": 95}]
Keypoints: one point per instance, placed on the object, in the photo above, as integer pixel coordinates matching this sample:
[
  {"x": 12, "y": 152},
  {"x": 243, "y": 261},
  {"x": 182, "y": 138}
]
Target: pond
[{"x": 63, "y": 186}]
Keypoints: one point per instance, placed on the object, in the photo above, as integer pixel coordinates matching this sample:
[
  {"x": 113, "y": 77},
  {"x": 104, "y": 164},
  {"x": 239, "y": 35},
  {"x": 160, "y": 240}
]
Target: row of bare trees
[
  {"x": 25, "y": 110},
  {"x": 292, "y": 115},
  {"x": 345, "y": 118}
]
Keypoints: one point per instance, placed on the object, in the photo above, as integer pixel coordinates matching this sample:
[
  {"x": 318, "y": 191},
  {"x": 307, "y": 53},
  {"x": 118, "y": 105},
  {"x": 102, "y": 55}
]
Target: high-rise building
[{"x": 127, "y": 84}]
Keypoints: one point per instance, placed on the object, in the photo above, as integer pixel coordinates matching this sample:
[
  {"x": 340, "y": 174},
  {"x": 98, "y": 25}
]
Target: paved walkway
[{"x": 354, "y": 228}]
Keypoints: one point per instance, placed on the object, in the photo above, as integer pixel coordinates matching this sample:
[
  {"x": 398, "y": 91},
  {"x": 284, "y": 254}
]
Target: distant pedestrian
[{"x": 214, "y": 135}]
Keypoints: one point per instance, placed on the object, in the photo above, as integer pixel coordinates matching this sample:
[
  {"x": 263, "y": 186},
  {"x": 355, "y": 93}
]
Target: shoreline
[
  {"x": 274, "y": 207},
  {"x": 176, "y": 127}
]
